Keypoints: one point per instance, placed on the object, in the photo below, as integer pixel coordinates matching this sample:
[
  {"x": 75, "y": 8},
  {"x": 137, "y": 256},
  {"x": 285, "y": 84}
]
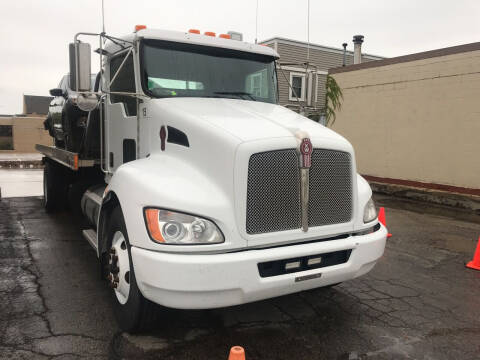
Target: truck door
[{"x": 121, "y": 113}]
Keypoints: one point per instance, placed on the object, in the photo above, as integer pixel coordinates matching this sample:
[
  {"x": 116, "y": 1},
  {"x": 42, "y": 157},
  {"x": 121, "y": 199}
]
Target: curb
[
  {"x": 32, "y": 164},
  {"x": 456, "y": 200}
]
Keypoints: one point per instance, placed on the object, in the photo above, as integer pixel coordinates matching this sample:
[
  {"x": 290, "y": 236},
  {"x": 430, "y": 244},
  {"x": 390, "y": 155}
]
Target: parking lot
[{"x": 418, "y": 302}]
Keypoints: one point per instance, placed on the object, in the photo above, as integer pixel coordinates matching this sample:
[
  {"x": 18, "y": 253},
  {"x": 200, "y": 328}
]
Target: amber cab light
[
  {"x": 194, "y": 31},
  {"x": 209, "y": 33},
  {"x": 140, "y": 27},
  {"x": 224, "y": 36}
]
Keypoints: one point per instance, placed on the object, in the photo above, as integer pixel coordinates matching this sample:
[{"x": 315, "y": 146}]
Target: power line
[
  {"x": 308, "y": 30},
  {"x": 256, "y": 23}
]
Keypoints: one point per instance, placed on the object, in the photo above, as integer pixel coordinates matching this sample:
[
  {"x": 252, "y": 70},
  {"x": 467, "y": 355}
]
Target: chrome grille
[
  {"x": 273, "y": 190},
  {"x": 330, "y": 188}
]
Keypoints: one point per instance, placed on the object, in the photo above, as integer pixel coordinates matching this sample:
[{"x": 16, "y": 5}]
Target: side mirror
[
  {"x": 56, "y": 92},
  {"x": 80, "y": 66}
]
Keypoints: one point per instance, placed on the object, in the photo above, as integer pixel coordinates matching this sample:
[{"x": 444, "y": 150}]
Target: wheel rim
[{"x": 119, "y": 265}]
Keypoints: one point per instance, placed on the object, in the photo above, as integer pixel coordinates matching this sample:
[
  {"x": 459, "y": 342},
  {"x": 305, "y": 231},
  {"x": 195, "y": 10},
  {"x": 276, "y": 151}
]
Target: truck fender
[{"x": 109, "y": 202}]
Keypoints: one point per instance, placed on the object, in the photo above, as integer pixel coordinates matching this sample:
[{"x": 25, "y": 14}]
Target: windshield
[{"x": 184, "y": 70}]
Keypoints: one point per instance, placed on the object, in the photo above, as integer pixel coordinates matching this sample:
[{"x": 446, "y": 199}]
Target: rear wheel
[
  {"x": 133, "y": 312},
  {"x": 54, "y": 186}
]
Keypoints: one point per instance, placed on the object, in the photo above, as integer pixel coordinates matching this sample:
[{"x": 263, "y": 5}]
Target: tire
[
  {"x": 132, "y": 311},
  {"x": 54, "y": 186},
  {"x": 47, "y": 125},
  {"x": 59, "y": 144}
]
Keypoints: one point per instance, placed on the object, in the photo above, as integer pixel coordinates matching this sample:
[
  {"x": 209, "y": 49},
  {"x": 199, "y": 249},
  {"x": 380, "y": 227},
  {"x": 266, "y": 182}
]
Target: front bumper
[{"x": 187, "y": 281}]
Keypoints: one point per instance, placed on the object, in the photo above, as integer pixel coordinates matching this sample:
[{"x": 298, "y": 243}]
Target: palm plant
[{"x": 333, "y": 100}]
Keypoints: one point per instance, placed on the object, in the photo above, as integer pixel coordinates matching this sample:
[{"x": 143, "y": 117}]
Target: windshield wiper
[{"x": 239, "y": 93}]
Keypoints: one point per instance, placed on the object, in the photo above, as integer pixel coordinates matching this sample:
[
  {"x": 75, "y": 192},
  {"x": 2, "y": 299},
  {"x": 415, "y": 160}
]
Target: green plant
[{"x": 333, "y": 100}]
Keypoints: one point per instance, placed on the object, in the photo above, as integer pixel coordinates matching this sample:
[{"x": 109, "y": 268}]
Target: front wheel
[{"x": 133, "y": 312}]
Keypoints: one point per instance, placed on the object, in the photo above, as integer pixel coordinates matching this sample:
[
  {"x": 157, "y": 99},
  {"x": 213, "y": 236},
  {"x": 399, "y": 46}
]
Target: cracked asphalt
[{"x": 419, "y": 301}]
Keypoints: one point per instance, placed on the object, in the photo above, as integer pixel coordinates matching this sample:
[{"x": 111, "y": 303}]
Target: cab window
[{"x": 124, "y": 82}]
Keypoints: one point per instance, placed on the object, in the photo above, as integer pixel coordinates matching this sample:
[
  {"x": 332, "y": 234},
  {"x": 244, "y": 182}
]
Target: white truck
[{"x": 201, "y": 191}]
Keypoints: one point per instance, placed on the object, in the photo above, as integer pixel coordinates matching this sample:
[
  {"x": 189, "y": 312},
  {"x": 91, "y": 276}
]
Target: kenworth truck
[{"x": 200, "y": 190}]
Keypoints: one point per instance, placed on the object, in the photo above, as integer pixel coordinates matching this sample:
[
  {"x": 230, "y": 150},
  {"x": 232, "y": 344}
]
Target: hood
[
  {"x": 247, "y": 120},
  {"x": 210, "y": 169}
]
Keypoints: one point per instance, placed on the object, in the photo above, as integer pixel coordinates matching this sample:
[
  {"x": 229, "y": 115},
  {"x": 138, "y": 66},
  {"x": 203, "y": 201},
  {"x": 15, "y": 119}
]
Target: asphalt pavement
[{"x": 419, "y": 302}]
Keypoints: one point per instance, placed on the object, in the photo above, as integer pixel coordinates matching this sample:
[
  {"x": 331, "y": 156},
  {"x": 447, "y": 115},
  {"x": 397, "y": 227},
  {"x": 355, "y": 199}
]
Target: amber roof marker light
[
  {"x": 194, "y": 31},
  {"x": 209, "y": 33},
  {"x": 140, "y": 27}
]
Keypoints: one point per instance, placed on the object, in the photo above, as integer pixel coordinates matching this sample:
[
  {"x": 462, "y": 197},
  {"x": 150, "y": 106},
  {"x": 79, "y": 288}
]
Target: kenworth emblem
[
  {"x": 306, "y": 151},
  {"x": 305, "y": 163}
]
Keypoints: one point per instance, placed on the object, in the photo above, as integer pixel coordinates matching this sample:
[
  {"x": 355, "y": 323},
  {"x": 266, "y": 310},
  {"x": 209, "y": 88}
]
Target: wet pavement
[
  {"x": 419, "y": 301},
  {"x": 21, "y": 182}
]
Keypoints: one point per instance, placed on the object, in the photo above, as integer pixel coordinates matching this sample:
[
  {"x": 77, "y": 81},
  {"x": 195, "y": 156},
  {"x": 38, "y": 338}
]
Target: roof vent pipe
[
  {"x": 344, "y": 54},
  {"x": 357, "y": 49}
]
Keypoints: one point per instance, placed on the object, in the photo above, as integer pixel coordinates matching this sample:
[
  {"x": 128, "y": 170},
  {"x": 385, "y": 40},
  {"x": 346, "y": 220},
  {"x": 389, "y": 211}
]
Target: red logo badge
[{"x": 306, "y": 151}]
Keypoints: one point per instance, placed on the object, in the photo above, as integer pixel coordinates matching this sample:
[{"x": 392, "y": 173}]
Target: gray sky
[{"x": 34, "y": 34}]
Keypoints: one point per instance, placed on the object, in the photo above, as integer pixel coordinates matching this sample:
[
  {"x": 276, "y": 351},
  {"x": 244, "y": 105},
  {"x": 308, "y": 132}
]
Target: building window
[
  {"x": 6, "y": 138},
  {"x": 297, "y": 82}
]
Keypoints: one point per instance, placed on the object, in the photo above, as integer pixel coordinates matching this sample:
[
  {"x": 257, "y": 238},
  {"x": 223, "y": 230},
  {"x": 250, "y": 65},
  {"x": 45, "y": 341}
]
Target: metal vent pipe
[
  {"x": 357, "y": 48},
  {"x": 344, "y": 54}
]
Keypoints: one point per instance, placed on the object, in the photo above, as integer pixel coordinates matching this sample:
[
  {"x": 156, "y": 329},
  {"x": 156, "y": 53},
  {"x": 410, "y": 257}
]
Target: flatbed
[{"x": 69, "y": 159}]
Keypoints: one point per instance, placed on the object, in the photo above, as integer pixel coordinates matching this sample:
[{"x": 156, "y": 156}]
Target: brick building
[{"x": 20, "y": 133}]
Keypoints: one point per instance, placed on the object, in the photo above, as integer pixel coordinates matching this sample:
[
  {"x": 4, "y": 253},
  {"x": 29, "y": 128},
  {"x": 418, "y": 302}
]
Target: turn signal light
[
  {"x": 224, "y": 36},
  {"x": 140, "y": 27},
  {"x": 194, "y": 31},
  {"x": 151, "y": 217},
  {"x": 209, "y": 33}
]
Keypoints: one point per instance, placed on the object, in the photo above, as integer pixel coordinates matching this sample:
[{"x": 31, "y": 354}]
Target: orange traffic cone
[
  {"x": 237, "y": 353},
  {"x": 475, "y": 263},
  {"x": 381, "y": 218}
]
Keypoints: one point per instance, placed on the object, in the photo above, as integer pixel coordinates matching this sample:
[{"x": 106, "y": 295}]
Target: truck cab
[{"x": 207, "y": 193}]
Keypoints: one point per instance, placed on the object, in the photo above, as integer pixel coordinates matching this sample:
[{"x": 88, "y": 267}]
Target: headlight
[
  {"x": 169, "y": 227},
  {"x": 370, "y": 212}
]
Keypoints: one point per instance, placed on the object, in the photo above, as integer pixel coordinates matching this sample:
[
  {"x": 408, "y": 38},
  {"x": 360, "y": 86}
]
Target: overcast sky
[{"x": 34, "y": 34}]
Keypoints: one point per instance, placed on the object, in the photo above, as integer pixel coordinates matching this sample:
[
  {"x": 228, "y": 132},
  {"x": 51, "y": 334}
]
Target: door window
[{"x": 124, "y": 82}]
